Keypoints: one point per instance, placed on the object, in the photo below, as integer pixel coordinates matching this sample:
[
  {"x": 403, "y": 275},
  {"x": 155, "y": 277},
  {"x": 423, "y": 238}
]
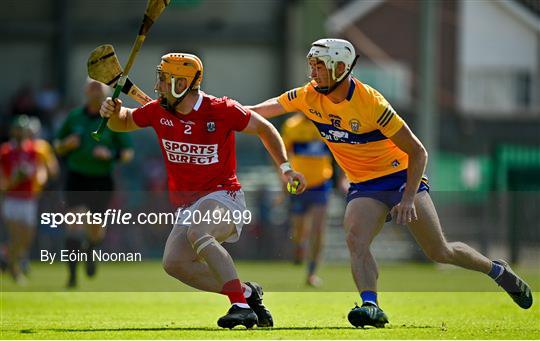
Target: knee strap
[{"x": 203, "y": 242}]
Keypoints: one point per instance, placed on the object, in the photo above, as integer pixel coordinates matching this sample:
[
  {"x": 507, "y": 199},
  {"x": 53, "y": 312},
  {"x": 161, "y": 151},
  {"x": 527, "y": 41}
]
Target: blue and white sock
[
  {"x": 369, "y": 297},
  {"x": 496, "y": 270}
]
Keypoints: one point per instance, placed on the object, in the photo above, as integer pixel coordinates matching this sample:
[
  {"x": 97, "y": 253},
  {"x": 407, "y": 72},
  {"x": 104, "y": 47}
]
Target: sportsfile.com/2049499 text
[{"x": 119, "y": 217}]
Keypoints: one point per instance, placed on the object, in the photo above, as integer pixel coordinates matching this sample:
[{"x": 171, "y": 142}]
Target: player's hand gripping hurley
[{"x": 153, "y": 11}]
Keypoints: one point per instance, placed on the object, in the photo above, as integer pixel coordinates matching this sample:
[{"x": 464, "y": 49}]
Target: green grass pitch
[{"x": 139, "y": 301}]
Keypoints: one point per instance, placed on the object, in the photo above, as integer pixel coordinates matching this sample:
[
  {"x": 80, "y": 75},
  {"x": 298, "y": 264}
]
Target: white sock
[
  {"x": 241, "y": 305},
  {"x": 247, "y": 290}
]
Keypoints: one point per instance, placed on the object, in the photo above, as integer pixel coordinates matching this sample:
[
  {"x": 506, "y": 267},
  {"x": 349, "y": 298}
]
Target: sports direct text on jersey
[{"x": 198, "y": 154}]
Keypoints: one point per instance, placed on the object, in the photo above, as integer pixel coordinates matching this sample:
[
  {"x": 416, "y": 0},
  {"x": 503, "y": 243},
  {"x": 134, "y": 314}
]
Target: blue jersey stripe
[
  {"x": 387, "y": 120},
  {"x": 336, "y": 135},
  {"x": 384, "y": 115}
]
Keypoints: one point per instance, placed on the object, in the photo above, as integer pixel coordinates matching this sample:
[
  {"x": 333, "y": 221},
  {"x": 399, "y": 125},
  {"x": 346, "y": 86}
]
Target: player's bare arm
[
  {"x": 269, "y": 108},
  {"x": 126, "y": 155},
  {"x": 274, "y": 145},
  {"x": 120, "y": 118},
  {"x": 405, "y": 140},
  {"x": 51, "y": 163},
  {"x": 42, "y": 174},
  {"x": 64, "y": 146}
]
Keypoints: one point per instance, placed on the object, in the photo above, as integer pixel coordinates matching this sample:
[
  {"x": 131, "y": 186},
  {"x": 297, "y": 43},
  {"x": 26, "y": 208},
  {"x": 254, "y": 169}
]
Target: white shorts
[
  {"x": 233, "y": 200},
  {"x": 20, "y": 210}
]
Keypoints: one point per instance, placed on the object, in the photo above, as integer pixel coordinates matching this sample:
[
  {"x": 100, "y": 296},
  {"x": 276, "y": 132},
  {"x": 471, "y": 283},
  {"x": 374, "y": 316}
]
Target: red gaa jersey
[
  {"x": 198, "y": 148},
  {"x": 19, "y": 164}
]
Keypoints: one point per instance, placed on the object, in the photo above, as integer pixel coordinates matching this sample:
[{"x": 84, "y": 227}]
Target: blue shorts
[
  {"x": 311, "y": 197},
  {"x": 387, "y": 189}
]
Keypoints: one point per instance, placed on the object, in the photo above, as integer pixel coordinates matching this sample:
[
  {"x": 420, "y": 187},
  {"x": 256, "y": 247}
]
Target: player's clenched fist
[{"x": 110, "y": 107}]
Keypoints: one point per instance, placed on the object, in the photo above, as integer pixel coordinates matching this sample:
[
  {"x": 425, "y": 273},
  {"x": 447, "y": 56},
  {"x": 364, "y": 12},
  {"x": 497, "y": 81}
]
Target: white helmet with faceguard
[
  {"x": 332, "y": 52},
  {"x": 174, "y": 66}
]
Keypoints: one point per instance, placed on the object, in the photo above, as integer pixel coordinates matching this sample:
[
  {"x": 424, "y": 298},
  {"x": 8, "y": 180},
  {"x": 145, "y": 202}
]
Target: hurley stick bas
[
  {"x": 103, "y": 66},
  {"x": 154, "y": 8}
]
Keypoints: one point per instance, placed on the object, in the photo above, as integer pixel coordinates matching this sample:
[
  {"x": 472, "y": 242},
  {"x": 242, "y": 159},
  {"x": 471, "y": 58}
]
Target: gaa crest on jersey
[
  {"x": 336, "y": 120},
  {"x": 166, "y": 122},
  {"x": 354, "y": 124},
  {"x": 211, "y": 126}
]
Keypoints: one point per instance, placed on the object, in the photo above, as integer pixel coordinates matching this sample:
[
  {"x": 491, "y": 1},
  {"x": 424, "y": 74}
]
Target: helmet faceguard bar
[
  {"x": 332, "y": 52},
  {"x": 181, "y": 96},
  {"x": 175, "y": 66},
  {"x": 327, "y": 90}
]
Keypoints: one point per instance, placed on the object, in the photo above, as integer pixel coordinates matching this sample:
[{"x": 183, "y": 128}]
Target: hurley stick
[
  {"x": 153, "y": 10},
  {"x": 103, "y": 66}
]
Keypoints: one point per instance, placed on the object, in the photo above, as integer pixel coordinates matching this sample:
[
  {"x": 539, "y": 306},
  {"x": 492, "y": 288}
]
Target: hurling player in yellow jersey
[
  {"x": 309, "y": 155},
  {"x": 384, "y": 162}
]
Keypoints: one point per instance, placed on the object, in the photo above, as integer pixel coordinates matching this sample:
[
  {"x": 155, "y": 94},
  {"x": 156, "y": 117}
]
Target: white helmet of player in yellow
[{"x": 331, "y": 52}]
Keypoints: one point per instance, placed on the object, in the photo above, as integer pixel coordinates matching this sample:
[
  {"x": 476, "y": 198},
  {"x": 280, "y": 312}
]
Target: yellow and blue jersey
[
  {"x": 308, "y": 153},
  {"x": 356, "y": 130}
]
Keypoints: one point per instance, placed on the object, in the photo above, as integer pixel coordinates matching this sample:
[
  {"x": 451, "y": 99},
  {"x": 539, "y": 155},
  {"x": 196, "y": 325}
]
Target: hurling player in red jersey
[
  {"x": 196, "y": 133},
  {"x": 22, "y": 172}
]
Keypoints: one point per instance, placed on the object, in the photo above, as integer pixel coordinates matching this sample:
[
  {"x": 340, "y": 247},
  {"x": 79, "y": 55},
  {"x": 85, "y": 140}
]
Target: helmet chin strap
[
  {"x": 327, "y": 90},
  {"x": 172, "y": 108}
]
